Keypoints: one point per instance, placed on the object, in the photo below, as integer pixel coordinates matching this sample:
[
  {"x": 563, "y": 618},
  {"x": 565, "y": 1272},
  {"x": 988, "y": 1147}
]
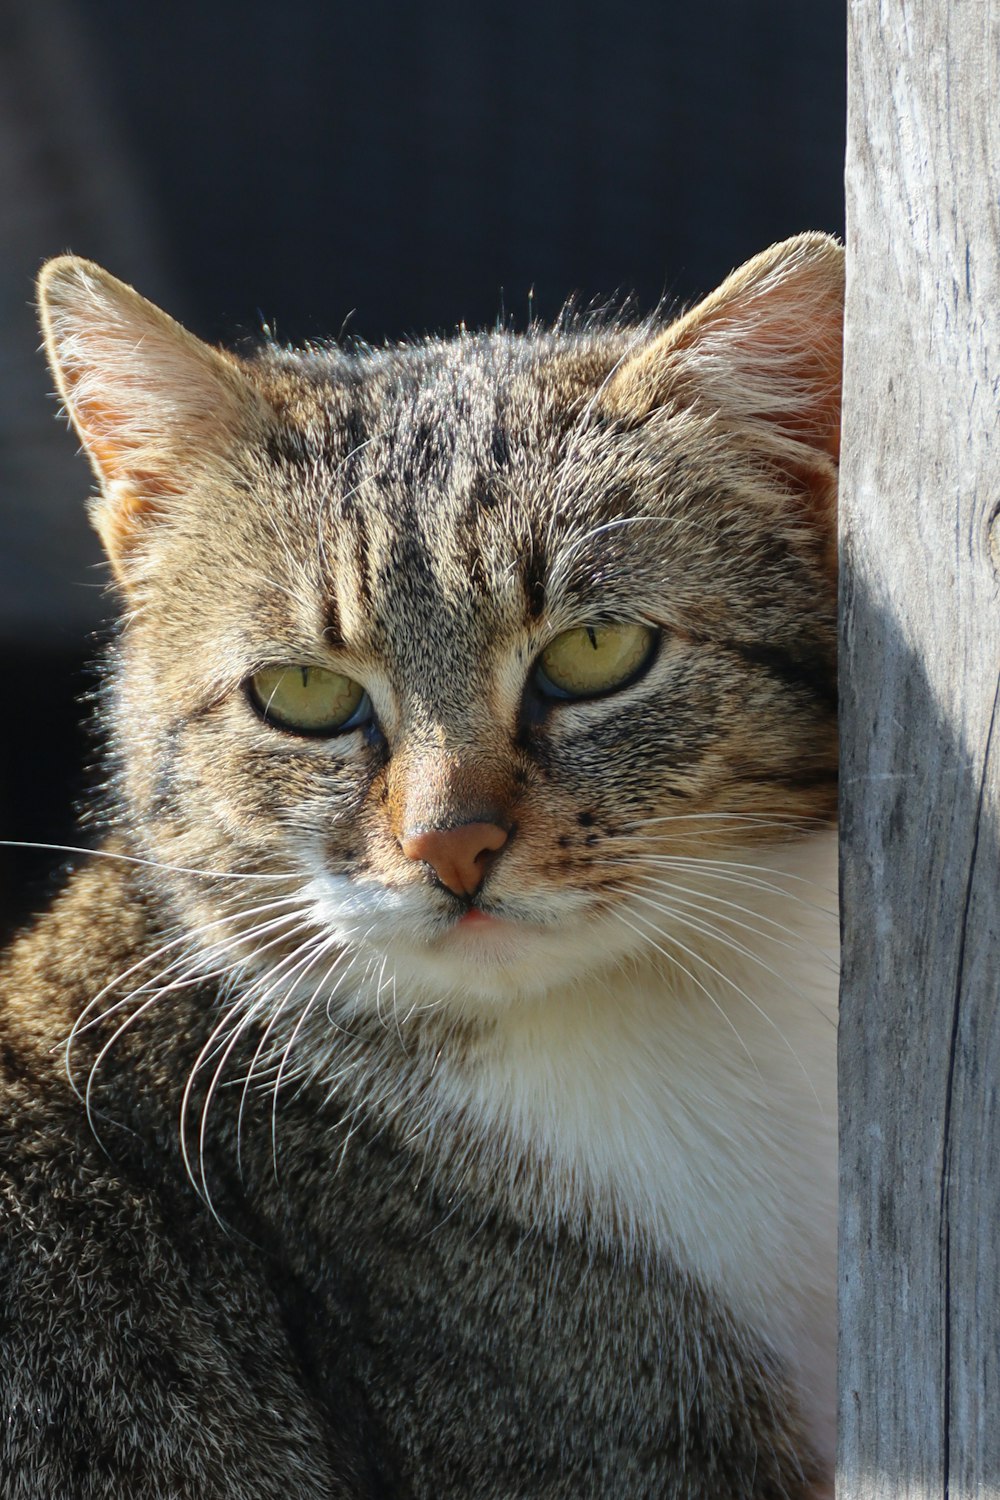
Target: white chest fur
[{"x": 695, "y": 1112}]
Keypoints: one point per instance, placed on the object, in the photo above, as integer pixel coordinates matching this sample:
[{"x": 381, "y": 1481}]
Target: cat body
[{"x": 429, "y": 1090}]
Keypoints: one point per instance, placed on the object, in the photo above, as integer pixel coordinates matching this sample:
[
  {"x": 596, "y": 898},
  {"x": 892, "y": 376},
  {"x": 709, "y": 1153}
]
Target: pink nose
[{"x": 457, "y": 856}]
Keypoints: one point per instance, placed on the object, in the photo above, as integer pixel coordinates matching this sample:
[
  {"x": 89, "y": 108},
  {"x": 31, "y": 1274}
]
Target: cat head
[{"x": 429, "y": 654}]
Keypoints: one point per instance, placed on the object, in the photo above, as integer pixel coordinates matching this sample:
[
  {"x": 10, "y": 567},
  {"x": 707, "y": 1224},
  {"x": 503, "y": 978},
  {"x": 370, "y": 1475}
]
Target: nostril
[
  {"x": 493, "y": 837},
  {"x": 458, "y": 855}
]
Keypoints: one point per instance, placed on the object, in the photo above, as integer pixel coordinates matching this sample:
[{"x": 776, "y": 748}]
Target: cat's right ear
[
  {"x": 761, "y": 356},
  {"x": 154, "y": 407}
]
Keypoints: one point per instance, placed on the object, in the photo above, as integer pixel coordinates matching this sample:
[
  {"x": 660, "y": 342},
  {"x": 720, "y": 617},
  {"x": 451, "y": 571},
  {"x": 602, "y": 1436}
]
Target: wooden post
[{"x": 920, "y": 674}]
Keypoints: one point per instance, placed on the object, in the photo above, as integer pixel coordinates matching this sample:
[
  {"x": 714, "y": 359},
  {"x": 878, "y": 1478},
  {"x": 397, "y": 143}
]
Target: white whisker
[
  {"x": 728, "y": 979},
  {"x": 673, "y": 959},
  {"x": 152, "y": 864},
  {"x": 792, "y": 941},
  {"x": 193, "y": 976},
  {"x": 733, "y": 872},
  {"x": 277, "y": 974},
  {"x": 321, "y": 952},
  {"x": 707, "y": 929},
  {"x": 82, "y": 1025}
]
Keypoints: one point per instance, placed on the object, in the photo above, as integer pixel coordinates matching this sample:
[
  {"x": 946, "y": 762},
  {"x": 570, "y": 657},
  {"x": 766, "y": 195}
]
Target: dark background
[{"x": 384, "y": 168}]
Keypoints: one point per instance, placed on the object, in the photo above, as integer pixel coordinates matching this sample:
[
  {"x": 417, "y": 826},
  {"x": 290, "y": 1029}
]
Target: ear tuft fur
[
  {"x": 761, "y": 356},
  {"x": 151, "y": 403},
  {"x": 764, "y": 350}
]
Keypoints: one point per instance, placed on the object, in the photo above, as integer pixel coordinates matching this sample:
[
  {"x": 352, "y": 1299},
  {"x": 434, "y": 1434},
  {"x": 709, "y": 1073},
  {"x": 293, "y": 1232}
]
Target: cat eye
[
  {"x": 593, "y": 659},
  {"x": 309, "y": 700}
]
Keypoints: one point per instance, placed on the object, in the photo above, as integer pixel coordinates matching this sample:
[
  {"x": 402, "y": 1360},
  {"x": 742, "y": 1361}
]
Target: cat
[{"x": 427, "y": 1088}]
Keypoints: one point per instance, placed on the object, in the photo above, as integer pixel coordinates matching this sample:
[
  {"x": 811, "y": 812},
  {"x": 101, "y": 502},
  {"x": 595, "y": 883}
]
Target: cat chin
[{"x": 465, "y": 972}]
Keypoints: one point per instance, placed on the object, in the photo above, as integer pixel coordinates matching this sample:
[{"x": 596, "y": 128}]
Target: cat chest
[
  {"x": 588, "y": 1247},
  {"x": 497, "y": 1360}
]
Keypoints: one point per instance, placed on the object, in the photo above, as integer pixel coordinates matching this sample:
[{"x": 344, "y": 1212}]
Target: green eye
[
  {"x": 310, "y": 700},
  {"x": 591, "y": 660}
]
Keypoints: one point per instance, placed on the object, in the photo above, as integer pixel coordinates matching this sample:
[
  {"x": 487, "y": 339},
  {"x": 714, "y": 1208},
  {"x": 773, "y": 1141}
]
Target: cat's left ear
[
  {"x": 763, "y": 353},
  {"x": 154, "y": 407}
]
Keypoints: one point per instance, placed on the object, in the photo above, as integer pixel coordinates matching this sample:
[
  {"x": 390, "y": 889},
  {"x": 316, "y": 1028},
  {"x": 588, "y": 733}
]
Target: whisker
[
  {"x": 152, "y": 864},
  {"x": 118, "y": 1032},
  {"x": 793, "y": 941},
  {"x": 195, "y": 975},
  {"x": 769, "y": 819},
  {"x": 278, "y": 974},
  {"x": 734, "y": 875},
  {"x": 705, "y": 927},
  {"x": 186, "y": 937},
  {"x": 346, "y": 953},
  {"x": 286, "y": 1053},
  {"x": 673, "y": 959},
  {"x": 727, "y": 979},
  {"x": 730, "y": 871}
]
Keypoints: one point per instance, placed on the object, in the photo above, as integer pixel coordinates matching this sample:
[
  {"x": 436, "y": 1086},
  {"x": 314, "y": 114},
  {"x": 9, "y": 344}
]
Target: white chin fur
[
  {"x": 472, "y": 971},
  {"x": 490, "y": 966}
]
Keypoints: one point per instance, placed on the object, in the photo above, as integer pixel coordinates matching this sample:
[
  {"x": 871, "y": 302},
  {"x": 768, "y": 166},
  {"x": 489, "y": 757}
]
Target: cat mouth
[
  {"x": 484, "y": 927},
  {"x": 481, "y": 934},
  {"x": 486, "y": 941},
  {"x": 475, "y": 917}
]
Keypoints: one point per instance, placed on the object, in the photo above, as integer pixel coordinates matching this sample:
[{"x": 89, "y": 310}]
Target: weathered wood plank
[{"x": 920, "y": 1020}]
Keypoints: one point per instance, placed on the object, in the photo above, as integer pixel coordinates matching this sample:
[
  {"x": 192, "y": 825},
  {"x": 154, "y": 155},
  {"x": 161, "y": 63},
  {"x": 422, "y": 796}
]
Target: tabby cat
[{"x": 427, "y": 1088}]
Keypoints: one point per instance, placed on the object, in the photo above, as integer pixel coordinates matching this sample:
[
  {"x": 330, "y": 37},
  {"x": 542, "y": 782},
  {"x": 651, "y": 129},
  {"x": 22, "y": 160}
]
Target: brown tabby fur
[{"x": 334, "y": 1290}]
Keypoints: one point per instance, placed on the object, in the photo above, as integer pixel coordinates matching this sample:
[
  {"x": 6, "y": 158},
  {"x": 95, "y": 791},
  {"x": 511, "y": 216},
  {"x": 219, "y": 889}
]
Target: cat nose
[{"x": 458, "y": 856}]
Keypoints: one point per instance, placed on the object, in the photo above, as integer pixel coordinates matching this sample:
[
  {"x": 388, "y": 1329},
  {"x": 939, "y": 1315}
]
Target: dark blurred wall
[
  {"x": 394, "y": 167},
  {"x": 418, "y": 162}
]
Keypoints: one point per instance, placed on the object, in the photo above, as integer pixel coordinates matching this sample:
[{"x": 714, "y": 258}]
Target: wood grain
[{"x": 920, "y": 679}]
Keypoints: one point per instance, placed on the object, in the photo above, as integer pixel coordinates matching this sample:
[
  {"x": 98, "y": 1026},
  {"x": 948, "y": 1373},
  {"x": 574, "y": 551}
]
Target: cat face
[{"x": 446, "y": 647}]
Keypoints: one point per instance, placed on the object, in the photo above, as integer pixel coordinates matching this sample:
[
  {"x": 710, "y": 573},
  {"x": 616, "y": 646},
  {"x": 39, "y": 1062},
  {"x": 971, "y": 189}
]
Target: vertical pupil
[
  {"x": 591, "y": 636},
  {"x": 305, "y": 676}
]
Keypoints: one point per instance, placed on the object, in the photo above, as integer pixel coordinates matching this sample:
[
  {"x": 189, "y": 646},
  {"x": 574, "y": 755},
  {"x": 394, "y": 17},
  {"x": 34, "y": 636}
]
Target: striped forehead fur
[{"x": 499, "y": 447}]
